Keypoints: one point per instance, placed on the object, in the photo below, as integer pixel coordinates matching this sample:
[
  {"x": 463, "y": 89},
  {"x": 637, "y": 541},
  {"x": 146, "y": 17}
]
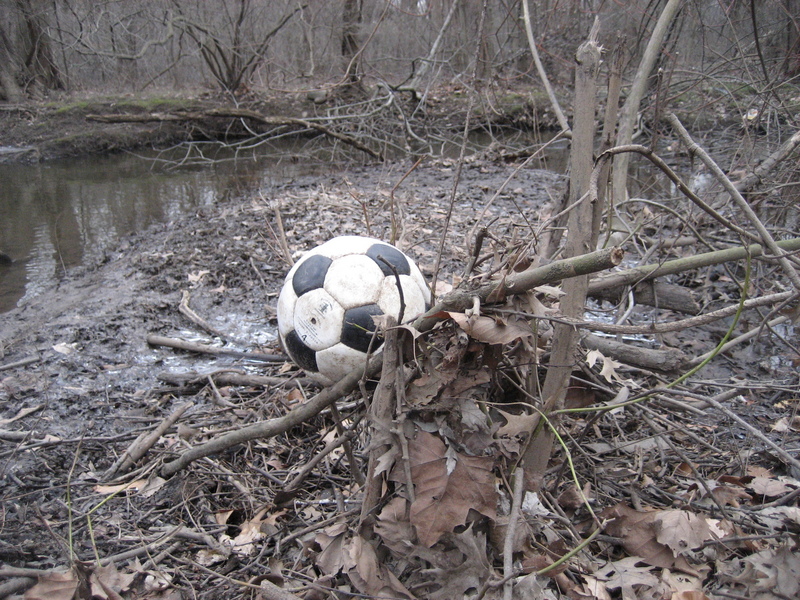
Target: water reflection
[
  {"x": 60, "y": 214},
  {"x": 57, "y": 215}
]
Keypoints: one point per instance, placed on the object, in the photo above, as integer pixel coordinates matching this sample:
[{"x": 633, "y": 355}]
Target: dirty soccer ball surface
[{"x": 329, "y": 299}]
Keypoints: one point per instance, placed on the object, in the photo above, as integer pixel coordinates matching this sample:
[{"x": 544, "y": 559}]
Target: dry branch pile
[{"x": 663, "y": 482}]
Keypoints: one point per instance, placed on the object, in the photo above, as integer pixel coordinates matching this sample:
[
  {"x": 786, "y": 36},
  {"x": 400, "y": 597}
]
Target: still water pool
[{"x": 60, "y": 214}]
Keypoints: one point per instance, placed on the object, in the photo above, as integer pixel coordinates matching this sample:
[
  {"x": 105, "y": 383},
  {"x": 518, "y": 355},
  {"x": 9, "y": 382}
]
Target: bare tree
[
  {"x": 9, "y": 87},
  {"x": 26, "y": 50},
  {"x": 233, "y": 52},
  {"x": 351, "y": 24}
]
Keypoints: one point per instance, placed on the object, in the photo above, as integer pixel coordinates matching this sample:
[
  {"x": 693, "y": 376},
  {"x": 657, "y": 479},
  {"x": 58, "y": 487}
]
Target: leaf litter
[{"x": 665, "y": 501}]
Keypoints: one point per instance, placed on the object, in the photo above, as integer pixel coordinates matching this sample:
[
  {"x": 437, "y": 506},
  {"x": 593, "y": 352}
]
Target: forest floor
[{"x": 693, "y": 504}]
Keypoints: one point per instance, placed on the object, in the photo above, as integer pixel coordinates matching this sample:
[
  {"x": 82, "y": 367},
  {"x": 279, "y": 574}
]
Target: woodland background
[{"x": 544, "y": 431}]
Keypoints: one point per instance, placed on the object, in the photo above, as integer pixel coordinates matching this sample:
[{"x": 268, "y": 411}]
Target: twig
[
  {"x": 756, "y": 331},
  {"x": 280, "y": 235},
  {"x": 511, "y": 532},
  {"x": 17, "y": 584},
  {"x": 641, "y": 80},
  {"x": 675, "y": 325},
  {"x": 273, "y": 427},
  {"x": 313, "y": 527},
  {"x": 562, "y": 120},
  {"x": 348, "y": 435},
  {"x": 671, "y": 267},
  {"x": 673, "y": 177},
  {"x": 265, "y": 588},
  {"x": 753, "y": 178},
  {"x": 738, "y": 199},
  {"x": 462, "y": 152},
  {"x": 160, "y": 340},
  {"x": 20, "y": 363},
  {"x": 380, "y": 419},
  {"x": 186, "y": 310},
  {"x": 518, "y": 283},
  {"x": 227, "y": 377},
  {"x": 145, "y": 441},
  {"x": 778, "y": 450}
]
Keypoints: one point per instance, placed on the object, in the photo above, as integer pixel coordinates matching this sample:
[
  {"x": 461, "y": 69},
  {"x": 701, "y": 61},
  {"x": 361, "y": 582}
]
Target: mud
[
  {"x": 79, "y": 382},
  {"x": 94, "y": 385}
]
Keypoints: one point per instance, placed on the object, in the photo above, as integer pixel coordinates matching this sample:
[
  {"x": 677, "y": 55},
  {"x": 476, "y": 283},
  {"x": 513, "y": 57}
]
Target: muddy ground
[{"x": 79, "y": 381}]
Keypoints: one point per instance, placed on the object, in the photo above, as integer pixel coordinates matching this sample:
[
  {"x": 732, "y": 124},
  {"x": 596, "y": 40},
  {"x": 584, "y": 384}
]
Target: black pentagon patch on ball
[
  {"x": 310, "y": 275},
  {"x": 391, "y": 255},
  {"x": 359, "y": 327},
  {"x": 302, "y": 355}
]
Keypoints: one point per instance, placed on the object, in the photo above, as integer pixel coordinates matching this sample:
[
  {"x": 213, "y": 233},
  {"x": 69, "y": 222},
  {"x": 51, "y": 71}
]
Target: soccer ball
[{"x": 329, "y": 299}]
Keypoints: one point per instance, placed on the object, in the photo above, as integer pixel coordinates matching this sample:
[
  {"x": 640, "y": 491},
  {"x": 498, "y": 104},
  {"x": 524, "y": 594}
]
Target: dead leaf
[
  {"x": 21, "y": 414},
  {"x": 572, "y": 498},
  {"x": 593, "y": 589},
  {"x": 764, "y": 486},
  {"x": 357, "y": 559},
  {"x": 445, "y": 494},
  {"x": 681, "y": 530},
  {"x": 683, "y": 586},
  {"x": 197, "y": 276},
  {"x": 491, "y": 331},
  {"x": 393, "y": 528},
  {"x": 331, "y": 540},
  {"x": 627, "y": 576},
  {"x": 64, "y": 348},
  {"x": 458, "y": 564},
  {"x": 369, "y": 575},
  {"x": 427, "y": 387},
  {"x": 772, "y": 572},
  {"x": 511, "y": 436},
  {"x": 108, "y": 582},
  {"x": 54, "y": 585},
  {"x": 249, "y": 533},
  {"x": 729, "y": 496},
  {"x": 638, "y": 533},
  {"x": 778, "y": 517}
]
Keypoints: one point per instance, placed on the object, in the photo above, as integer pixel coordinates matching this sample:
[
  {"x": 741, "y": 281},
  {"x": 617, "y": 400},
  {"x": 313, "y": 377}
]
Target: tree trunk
[
  {"x": 35, "y": 45},
  {"x": 580, "y": 240},
  {"x": 9, "y": 88},
  {"x": 351, "y": 23},
  {"x": 631, "y": 107}
]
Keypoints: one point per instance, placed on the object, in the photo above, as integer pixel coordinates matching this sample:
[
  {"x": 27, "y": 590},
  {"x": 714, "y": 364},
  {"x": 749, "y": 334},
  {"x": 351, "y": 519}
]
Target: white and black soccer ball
[{"x": 329, "y": 299}]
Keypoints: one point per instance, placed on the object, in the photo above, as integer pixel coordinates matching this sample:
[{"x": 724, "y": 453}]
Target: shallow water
[{"x": 61, "y": 214}]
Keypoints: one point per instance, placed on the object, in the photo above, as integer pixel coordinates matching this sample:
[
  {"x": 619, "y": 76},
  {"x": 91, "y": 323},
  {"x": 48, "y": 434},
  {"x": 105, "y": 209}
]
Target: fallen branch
[
  {"x": 24, "y": 362},
  {"x": 667, "y": 359},
  {"x": 226, "y": 378},
  {"x": 159, "y": 340},
  {"x": 736, "y": 195},
  {"x": 756, "y": 331},
  {"x": 273, "y": 427},
  {"x": 646, "y": 272},
  {"x": 516, "y": 283},
  {"x": 703, "y": 319},
  {"x": 754, "y": 178},
  {"x": 653, "y": 293},
  {"x": 233, "y": 113},
  {"x": 144, "y": 442}
]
